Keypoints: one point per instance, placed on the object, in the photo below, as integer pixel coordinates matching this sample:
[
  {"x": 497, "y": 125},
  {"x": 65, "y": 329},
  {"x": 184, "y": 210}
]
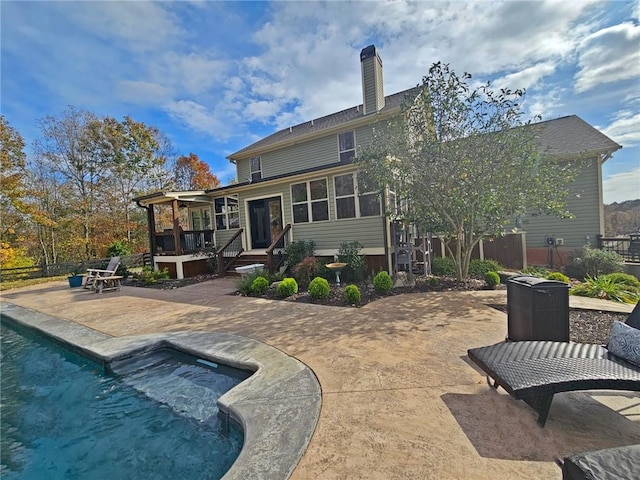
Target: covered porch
[{"x": 178, "y": 242}]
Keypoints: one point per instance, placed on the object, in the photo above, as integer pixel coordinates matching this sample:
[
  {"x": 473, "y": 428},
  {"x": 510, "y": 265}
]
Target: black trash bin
[{"x": 537, "y": 309}]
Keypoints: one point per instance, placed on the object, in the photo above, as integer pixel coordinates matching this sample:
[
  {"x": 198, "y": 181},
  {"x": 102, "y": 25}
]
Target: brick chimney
[{"x": 372, "y": 91}]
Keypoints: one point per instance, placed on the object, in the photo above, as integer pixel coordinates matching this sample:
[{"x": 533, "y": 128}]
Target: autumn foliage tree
[{"x": 194, "y": 174}]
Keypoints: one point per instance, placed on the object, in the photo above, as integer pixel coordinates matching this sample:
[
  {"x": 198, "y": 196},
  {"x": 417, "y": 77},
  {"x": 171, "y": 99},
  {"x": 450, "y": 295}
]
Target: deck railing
[
  {"x": 280, "y": 243},
  {"x": 229, "y": 252},
  {"x": 627, "y": 247},
  {"x": 191, "y": 241}
]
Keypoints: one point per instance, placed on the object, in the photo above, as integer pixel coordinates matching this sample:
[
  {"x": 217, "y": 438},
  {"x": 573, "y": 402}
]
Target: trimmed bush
[
  {"x": 434, "y": 282},
  {"x": 492, "y": 279},
  {"x": 591, "y": 262},
  {"x": 150, "y": 276},
  {"x": 259, "y": 286},
  {"x": 443, "y": 266},
  {"x": 479, "y": 268},
  {"x": 606, "y": 289},
  {"x": 318, "y": 288},
  {"x": 625, "y": 279},
  {"x": 244, "y": 284},
  {"x": 307, "y": 269},
  {"x": 558, "y": 276},
  {"x": 287, "y": 287},
  {"x": 352, "y": 295},
  {"x": 382, "y": 283}
]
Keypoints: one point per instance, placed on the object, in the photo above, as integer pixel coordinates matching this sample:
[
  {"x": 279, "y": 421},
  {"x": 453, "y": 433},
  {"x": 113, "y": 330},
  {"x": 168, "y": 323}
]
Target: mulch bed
[{"x": 585, "y": 326}]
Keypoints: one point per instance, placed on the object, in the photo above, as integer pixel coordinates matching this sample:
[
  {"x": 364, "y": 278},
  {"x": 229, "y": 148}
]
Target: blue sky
[{"x": 216, "y": 76}]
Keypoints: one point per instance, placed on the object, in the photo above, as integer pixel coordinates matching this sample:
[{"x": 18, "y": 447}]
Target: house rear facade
[{"x": 302, "y": 181}]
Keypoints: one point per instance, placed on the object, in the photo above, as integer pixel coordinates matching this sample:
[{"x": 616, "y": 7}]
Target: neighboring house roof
[
  {"x": 571, "y": 135},
  {"x": 392, "y": 103}
]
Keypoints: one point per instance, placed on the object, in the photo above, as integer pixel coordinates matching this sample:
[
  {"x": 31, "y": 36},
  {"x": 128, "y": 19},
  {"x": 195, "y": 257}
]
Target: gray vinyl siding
[
  {"x": 311, "y": 154},
  {"x": 583, "y": 202},
  {"x": 223, "y": 236},
  {"x": 372, "y": 85},
  {"x": 368, "y": 231}
]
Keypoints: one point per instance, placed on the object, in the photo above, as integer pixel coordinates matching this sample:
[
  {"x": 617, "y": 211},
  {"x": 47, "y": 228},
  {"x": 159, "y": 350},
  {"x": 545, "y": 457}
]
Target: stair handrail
[
  {"x": 273, "y": 246},
  {"x": 222, "y": 266}
]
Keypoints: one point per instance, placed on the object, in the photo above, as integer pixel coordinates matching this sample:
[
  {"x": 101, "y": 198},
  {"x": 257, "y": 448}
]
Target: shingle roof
[
  {"x": 572, "y": 135},
  {"x": 392, "y": 102}
]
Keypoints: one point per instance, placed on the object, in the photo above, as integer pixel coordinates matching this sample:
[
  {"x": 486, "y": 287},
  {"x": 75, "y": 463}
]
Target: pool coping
[{"x": 278, "y": 407}]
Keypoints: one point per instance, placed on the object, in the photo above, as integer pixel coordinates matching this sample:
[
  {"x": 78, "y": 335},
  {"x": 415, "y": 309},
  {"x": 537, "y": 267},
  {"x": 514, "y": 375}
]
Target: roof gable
[
  {"x": 392, "y": 103},
  {"x": 571, "y": 135}
]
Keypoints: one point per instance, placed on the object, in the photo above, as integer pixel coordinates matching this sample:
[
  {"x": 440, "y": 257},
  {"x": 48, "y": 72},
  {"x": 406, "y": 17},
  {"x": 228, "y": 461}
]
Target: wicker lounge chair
[
  {"x": 534, "y": 371},
  {"x": 621, "y": 463}
]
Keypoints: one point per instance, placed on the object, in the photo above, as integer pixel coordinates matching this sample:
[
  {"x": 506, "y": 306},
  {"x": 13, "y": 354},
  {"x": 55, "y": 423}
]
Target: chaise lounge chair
[
  {"x": 534, "y": 371},
  {"x": 94, "y": 273}
]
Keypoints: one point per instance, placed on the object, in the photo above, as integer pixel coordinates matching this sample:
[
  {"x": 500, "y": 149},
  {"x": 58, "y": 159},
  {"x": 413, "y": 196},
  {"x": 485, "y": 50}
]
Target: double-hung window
[
  {"x": 256, "y": 168},
  {"x": 226, "y": 213},
  {"x": 201, "y": 219},
  {"x": 354, "y": 199},
  {"x": 347, "y": 146},
  {"x": 310, "y": 201}
]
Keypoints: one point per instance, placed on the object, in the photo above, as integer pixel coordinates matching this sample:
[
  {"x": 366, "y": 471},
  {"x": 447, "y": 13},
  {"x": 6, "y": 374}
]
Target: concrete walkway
[{"x": 400, "y": 398}]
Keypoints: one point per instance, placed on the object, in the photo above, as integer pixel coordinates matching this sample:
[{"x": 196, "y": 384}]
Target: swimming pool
[{"x": 63, "y": 418}]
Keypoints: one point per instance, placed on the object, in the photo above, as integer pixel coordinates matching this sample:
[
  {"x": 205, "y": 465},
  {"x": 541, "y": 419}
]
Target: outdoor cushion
[
  {"x": 624, "y": 342},
  {"x": 622, "y": 463}
]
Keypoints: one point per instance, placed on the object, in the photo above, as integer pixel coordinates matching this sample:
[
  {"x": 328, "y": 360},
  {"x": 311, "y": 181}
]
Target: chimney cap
[{"x": 367, "y": 52}]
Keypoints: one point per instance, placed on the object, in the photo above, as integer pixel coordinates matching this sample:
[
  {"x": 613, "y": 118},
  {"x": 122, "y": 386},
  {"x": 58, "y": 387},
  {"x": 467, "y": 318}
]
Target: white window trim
[
  {"x": 251, "y": 171},
  {"x": 356, "y": 194},
  {"x": 225, "y": 214},
  {"x": 199, "y": 212},
  {"x": 309, "y": 202},
  {"x": 340, "y": 152}
]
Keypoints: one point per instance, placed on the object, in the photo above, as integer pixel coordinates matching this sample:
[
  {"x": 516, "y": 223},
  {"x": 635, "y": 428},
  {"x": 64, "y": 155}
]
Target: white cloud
[
  {"x": 622, "y": 186},
  {"x": 547, "y": 104},
  {"x": 527, "y": 77},
  {"x": 144, "y": 93},
  {"x": 609, "y": 55},
  {"x": 198, "y": 117},
  {"x": 625, "y": 129}
]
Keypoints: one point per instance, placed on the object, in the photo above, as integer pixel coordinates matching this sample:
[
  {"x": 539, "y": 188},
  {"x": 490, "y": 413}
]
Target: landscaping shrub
[
  {"x": 318, "y": 288},
  {"x": 259, "y": 285},
  {"x": 492, "y": 279},
  {"x": 382, "y": 283},
  {"x": 479, "y": 268},
  {"x": 349, "y": 253},
  {"x": 625, "y": 279},
  {"x": 244, "y": 284},
  {"x": 434, "y": 282},
  {"x": 536, "y": 271},
  {"x": 307, "y": 269},
  {"x": 352, "y": 294},
  {"x": 150, "y": 276},
  {"x": 297, "y": 251},
  {"x": 606, "y": 289},
  {"x": 558, "y": 276},
  {"x": 118, "y": 249},
  {"x": 443, "y": 266},
  {"x": 287, "y": 287},
  {"x": 591, "y": 262}
]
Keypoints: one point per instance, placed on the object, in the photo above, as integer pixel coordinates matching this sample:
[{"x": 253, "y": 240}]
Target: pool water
[{"x": 63, "y": 418}]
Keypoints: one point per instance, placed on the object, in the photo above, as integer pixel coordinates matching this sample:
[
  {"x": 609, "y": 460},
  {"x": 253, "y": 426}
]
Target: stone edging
[{"x": 278, "y": 406}]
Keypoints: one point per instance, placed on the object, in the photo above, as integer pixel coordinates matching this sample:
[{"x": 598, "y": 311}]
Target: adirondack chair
[{"x": 94, "y": 273}]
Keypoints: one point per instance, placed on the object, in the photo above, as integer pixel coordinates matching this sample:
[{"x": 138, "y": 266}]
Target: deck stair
[{"x": 245, "y": 259}]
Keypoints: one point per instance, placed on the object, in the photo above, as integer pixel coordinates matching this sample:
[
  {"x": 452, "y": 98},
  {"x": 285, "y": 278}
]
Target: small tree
[{"x": 463, "y": 162}]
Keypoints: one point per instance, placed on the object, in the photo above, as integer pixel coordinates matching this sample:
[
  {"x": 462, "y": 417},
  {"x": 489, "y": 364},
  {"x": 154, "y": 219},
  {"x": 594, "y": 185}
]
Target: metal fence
[
  {"x": 56, "y": 269},
  {"x": 627, "y": 247}
]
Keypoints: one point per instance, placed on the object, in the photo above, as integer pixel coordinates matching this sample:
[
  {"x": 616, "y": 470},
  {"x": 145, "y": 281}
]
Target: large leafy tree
[
  {"x": 464, "y": 163},
  {"x": 194, "y": 174}
]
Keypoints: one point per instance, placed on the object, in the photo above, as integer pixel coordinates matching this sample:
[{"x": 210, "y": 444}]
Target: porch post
[
  {"x": 176, "y": 227},
  {"x": 151, "y": 224}
]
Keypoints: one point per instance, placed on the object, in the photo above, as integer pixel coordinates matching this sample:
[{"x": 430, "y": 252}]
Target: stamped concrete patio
[{"x": 399, "y": 397}]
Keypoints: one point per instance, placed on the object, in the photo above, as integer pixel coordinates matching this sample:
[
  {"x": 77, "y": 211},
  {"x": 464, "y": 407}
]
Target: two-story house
[{"x": 300, "y": 184}]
